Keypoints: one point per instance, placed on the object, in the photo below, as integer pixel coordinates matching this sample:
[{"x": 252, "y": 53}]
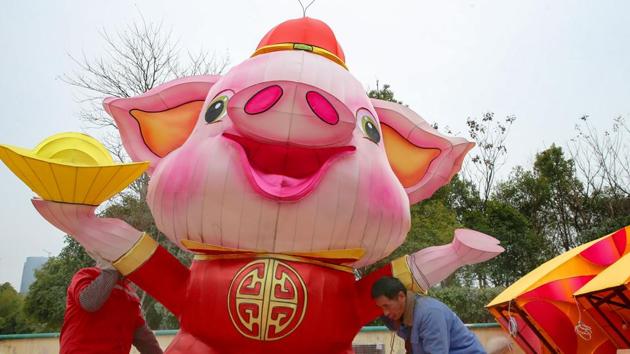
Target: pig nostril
[
  {"x": 263, "y": 100},
  {"x": 323, "y": 109}
]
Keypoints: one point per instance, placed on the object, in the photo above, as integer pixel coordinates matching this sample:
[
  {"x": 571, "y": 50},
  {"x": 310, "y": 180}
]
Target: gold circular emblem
[{"x": 267, "y": 300}]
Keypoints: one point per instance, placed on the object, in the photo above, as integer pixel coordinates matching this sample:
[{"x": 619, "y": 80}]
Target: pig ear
[
  {"x": 421, "y": 157},
  {"x": 159, "y": 121}
]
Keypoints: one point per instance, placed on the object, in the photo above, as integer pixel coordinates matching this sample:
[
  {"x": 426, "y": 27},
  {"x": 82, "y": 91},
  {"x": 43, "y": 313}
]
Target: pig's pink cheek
[
  {"x": 323, "y": 109},
  {"x": 383, "y": 193},
  {"x": 263, "y": 100}
]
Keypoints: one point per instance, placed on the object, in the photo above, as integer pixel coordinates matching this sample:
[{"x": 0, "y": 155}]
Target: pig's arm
[
  {"x": 156, "y": 271},
  {"x": 135, "y": 254},
  {"x": 427, "y": 267}
]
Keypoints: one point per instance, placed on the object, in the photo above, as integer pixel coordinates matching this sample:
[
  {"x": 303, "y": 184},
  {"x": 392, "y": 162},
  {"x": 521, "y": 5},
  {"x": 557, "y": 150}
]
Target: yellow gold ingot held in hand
[{"x": 71, "y": 168}]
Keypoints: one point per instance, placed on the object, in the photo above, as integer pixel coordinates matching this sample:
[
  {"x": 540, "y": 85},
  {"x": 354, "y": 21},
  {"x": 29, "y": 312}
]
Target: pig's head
[{"x": 285, "y": 153}]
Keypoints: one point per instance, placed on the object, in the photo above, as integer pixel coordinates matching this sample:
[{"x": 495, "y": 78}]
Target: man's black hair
[{"x": 388, "y": 287}]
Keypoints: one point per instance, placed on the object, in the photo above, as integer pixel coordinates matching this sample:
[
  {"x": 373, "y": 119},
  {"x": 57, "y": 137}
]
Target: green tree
[
  {"x": 462, "y": 196},
  {"x": 432, "y": 224},
  {"x": 565, "y": 216},
  {"x": 523, "y": 247},
  {"x": 469, "y": 193},
  {"x": 551, "y": 197},
  {"x": 384, "y": 93},
  {"x": 12, "y": 317}
]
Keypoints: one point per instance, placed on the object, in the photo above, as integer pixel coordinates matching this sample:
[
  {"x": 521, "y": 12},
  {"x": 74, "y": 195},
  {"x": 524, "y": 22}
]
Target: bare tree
[
  {"x": 603, "y": 159},
  {"x": 490, "y": 152},
  {"x": 139, "y": 58}
]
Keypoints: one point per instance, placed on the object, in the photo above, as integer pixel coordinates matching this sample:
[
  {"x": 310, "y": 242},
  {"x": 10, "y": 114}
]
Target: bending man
[
  {"x": 103, "y": 315},
  {"x": 426, "y": 324}
]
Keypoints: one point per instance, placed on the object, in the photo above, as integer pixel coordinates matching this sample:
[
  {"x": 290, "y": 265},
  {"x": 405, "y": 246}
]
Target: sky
[{"x": 545, "y": 62}]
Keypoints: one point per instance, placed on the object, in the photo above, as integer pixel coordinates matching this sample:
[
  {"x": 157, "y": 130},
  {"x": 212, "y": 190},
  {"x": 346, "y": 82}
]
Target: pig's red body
[{"x": 260, "y": 304}]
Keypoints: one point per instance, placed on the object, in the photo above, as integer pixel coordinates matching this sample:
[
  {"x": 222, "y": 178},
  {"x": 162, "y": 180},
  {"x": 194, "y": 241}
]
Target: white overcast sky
[{"x": 546, "y": 62}]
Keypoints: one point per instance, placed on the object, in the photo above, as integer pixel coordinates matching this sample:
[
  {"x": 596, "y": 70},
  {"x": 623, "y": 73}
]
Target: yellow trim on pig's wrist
[
  {"x": 401, "y": 270},
  {"x": 139, "y": 253}
]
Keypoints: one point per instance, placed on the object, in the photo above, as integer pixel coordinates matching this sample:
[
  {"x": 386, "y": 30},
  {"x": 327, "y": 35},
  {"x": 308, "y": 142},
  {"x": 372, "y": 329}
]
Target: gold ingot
[{"x": 71, "y": 168}]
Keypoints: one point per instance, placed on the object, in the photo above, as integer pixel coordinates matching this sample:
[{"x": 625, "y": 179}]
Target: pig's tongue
[
  {"x": 282, "y": 186},
  {"x": 285, "y": 172}
]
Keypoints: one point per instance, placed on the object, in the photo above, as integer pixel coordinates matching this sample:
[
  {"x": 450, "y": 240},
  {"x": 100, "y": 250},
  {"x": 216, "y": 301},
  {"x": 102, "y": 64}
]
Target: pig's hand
[
  {"x": 106, "y": 237},
  {"x": 433, "y": 264}
]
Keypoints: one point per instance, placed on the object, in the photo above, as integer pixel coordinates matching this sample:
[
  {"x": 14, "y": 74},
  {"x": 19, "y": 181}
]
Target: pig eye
[
  {"x": 369, "y": 128},
  {"x": 216, "y": 109}
]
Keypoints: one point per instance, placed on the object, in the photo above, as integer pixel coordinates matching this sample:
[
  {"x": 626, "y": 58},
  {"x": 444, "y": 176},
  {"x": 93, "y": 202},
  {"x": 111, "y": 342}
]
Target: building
[{"x": 28, "y": 272}]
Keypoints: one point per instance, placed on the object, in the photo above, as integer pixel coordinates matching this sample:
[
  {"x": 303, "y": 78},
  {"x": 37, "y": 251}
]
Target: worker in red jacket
[{"x": 103, "y": 314}]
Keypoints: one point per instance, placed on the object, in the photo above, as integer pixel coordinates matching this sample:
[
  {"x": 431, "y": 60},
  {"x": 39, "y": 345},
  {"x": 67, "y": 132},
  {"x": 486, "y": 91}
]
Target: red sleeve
[
  {"x": 164, "y": 278},
  {"x": 80, "y": 281},
  {"x": 368, "y": 311},
  {"x": 139, "y": 318}
]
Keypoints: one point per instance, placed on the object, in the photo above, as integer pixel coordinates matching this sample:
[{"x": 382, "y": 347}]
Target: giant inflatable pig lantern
[{"x": 282, "y": 177}]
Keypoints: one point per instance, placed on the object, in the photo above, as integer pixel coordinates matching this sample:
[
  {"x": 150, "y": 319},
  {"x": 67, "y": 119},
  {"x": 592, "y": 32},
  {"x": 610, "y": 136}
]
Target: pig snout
[{"x": 291, "y": 113}]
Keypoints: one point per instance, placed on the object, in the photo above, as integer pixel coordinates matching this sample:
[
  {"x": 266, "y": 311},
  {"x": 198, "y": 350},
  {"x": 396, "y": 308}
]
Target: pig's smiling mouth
[{"x": 285, "y": 172}]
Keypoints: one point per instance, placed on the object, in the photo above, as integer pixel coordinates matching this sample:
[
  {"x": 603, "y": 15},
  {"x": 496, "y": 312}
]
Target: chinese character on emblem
[{"x": 267, "y": 300}]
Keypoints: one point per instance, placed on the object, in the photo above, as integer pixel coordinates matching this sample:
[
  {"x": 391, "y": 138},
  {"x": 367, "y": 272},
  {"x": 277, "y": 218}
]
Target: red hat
[{"x": 306, "y": 34}]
